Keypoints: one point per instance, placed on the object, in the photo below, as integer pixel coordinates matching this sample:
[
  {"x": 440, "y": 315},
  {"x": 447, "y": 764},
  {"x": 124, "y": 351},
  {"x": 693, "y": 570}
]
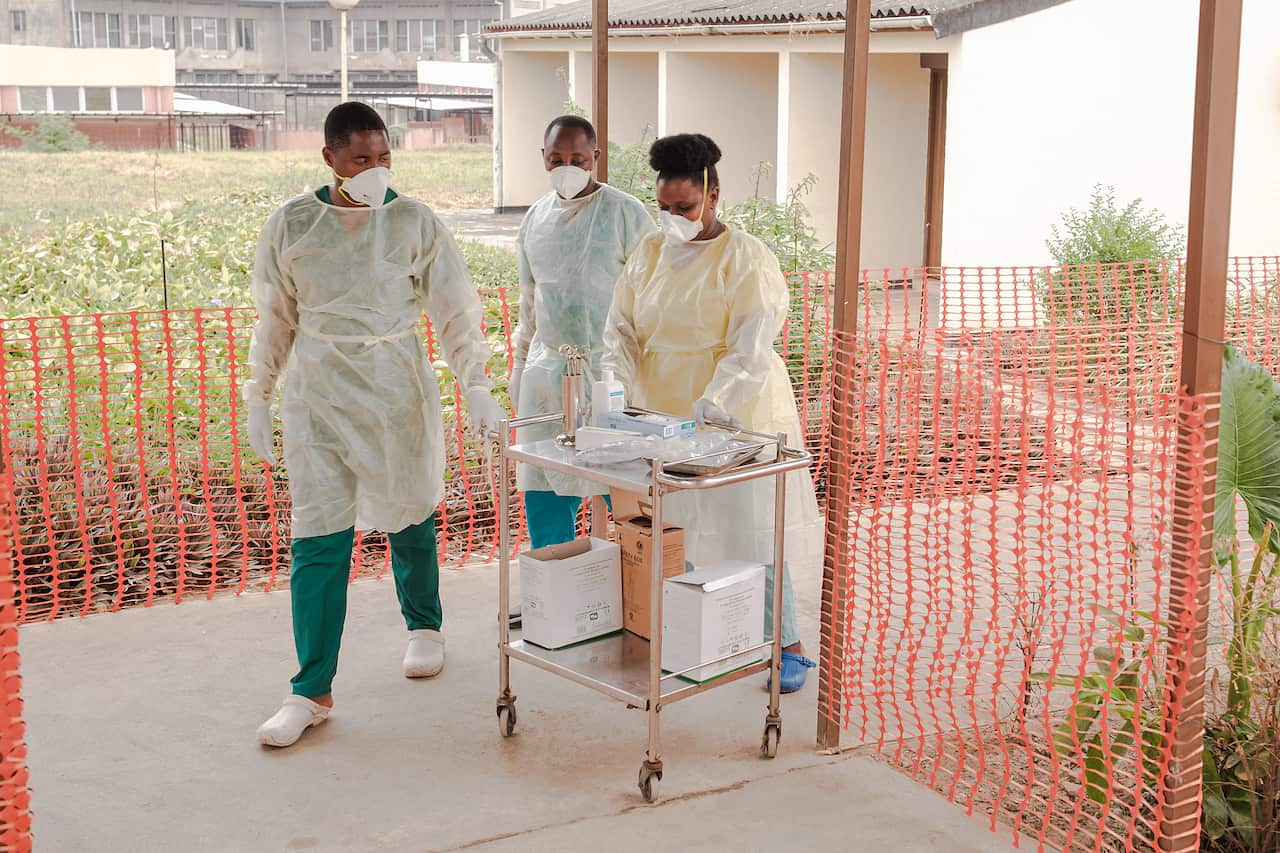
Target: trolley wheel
[
  {"x": 769, "y": 741},
  {"x": 507, "y": 720},
  {"x": 648, "y": 783}
]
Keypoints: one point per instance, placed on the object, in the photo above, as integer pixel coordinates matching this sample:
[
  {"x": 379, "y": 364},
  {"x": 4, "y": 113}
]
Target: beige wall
[
  {"x": 733, "y": 98},
  {"x": 897, "y": 149},
  {"x": 1034, "y": 123},
  {"x": 532, "y": 95},
  {"x": 633, "y": 93},
  {"x": 21, "y": 65},
  {"x": 897, "y": 156}
]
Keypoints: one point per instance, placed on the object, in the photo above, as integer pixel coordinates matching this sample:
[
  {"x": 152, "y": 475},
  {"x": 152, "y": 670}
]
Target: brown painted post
[
  {"x": 853, "y": 145},
  {"x": 1209, "y": 221},
  {"x": 600, "y": 82},
  {"x": 937, "y": 157},
  {"x": 600, "y": 118}
]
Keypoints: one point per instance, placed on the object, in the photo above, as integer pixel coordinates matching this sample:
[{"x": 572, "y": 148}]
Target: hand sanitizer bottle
[{"x": 607, "y": 395}]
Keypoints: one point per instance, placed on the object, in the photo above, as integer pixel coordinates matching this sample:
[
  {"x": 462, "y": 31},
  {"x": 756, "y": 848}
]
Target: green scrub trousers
[{"x": 318, "y": 589}]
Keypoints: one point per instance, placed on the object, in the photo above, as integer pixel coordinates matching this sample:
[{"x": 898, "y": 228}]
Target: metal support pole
[
  {"x": 503, "y": 496},
  {"x": 853, "y": 144},
  {"x": 1209, "y": 229},
  {"x": 342, "y": 54},
  {"x": 600, "y": 83}
]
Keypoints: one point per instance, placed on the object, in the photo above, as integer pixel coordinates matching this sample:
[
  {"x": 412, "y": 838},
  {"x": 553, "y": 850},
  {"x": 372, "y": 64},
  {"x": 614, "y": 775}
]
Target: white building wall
[
  {"x": 1097, "y": 91},
  {"x": 633, "y": 93},
  {"x": 530, "y": 99},
  {"x": 23, "y": 65},
  {"x": 733, "y": 98},
  {"x": 897, "y": 151}
]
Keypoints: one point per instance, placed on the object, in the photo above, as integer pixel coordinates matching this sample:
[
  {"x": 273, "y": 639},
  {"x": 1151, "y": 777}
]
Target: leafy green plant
[
  {"x": 783, "y": 227},
  {"x": 1242, "y": 744},
  {"x": 1111, "y": 264},
  {"x": 1112, "y": 711},
  {"x": 56, "y": 132}
]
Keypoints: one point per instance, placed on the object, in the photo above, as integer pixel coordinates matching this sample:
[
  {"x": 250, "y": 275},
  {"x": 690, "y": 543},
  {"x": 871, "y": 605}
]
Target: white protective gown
[
  {"x": 700, "y": 320},
  {"x": 571, "y": 254},
  {"x": 340, "y": 293}
]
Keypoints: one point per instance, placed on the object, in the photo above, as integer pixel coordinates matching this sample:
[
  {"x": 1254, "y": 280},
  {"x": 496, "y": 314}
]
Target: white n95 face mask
[
  {"x": 568, "y": 181},
  {"x": 679, "y": 229},
  {"x": 368, "y": 187}
]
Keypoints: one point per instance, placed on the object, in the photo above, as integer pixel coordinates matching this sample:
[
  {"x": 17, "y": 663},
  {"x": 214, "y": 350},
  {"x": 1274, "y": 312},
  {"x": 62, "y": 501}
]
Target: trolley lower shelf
[{"x": 618, "y": 666}]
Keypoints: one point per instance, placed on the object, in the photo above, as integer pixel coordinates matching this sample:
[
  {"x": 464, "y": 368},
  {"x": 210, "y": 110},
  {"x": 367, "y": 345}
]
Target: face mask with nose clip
[
  {"x": 681, "y": 229},
  {"x": 368, "y": 188}
]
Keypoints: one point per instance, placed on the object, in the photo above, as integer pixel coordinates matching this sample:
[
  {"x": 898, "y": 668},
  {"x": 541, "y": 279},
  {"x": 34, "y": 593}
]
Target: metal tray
[{"x": 709, "y": 465}]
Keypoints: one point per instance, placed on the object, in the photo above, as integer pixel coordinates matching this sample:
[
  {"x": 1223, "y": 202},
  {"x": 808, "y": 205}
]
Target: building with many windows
[{"x": 274, "y": 56}]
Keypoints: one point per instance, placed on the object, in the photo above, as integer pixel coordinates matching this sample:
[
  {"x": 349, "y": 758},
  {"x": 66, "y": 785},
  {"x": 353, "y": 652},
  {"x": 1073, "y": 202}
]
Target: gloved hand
[
  {"x": 261, "y": 430},
  {"x": 484, "y": 411},
  {"x": 513, "y": 387},
  {"x": 705, "y": 412}
]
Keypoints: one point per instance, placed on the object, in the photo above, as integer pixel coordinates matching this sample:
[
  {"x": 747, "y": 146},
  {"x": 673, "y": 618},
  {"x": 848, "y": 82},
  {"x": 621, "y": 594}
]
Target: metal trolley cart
[{"x": 624, "y": 666}]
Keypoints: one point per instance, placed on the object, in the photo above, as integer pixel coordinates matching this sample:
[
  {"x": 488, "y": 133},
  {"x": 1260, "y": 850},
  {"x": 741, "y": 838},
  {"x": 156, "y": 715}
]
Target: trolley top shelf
[{"x": 639, "y": 475}]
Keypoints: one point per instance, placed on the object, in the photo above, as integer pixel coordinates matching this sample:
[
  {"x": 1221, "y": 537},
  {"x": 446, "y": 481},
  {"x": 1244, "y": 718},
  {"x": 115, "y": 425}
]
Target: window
[
  {"x": 18, "y": 21},
  {"x": 97, "y": 99},
  {"x": 66, "y": 99},
  {"x": 153, "y": 31},
  {"x": 322, "y": 35},
  {"x": 96, "y": 29},
  {"x": 33, "y": 99},
  {"x": 369, "y": 36},
  {"x": 128, "y": 99},
  {"x": 416, "y": 36},
  {"x": 244, "y": 33},
  {"x": 207, "y": 33}
]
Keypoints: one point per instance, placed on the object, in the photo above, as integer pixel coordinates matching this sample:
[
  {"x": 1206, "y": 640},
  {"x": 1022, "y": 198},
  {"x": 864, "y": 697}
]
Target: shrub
[{"x": 56, "y": 132}]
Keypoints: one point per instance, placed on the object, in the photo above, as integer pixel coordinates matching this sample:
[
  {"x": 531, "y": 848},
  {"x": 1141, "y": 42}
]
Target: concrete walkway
[
  {"x": 141, "y": 732},
  {"x": 483, "y": 226}
]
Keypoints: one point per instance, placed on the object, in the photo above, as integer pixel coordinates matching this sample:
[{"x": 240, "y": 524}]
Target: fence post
[
  {"x": 1212, "y": 160},
  {"x": 853, "y": 145},
  {"x": 15, "y": 800}
]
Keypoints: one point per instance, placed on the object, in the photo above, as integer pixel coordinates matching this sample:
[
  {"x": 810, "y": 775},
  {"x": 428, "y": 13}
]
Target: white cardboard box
[
  {"x": 571, "y": 592},
  {"x": 712, "y": 612}
]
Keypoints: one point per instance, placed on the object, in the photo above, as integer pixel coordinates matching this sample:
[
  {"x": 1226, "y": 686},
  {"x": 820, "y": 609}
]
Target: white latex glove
[
  {"x": 705, "y": 412},
  {"x": 513, "y": 387},
  {"x": 484, "y": 411},
  {"x": 261, "y": 430}
]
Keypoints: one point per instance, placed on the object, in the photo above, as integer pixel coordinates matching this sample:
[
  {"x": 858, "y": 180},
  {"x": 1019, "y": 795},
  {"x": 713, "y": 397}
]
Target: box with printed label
[
  {"x": 571, "y": 592},
  {"x": 712, "y": 613},
  {"x": 648, "y": 423},
  {"x": 635, "y": 535}
]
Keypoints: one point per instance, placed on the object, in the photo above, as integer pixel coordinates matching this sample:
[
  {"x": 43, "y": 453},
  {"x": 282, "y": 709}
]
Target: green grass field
[
  {"x": 81, "y": 233},
  {"x": 47, "y": 188}
]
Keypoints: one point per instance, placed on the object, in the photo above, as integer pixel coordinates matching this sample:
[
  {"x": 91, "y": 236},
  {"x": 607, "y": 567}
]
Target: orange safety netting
[
  {"x": 121, "y": 441},
  {"x": 15, "y": 800},
  {"x": 1009, "y": 619}
]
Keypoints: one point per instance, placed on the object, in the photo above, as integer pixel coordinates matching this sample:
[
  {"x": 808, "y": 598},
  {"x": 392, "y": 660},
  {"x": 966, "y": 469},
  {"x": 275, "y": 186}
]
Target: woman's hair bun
[{"x": 683, "y": 154}]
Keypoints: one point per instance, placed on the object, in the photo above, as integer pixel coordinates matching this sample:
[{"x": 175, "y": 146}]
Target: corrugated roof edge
[
  {"x": 949, "y": 17},
  {"x": 572, "y": 20},
  {"x": 984, "y": 13}
]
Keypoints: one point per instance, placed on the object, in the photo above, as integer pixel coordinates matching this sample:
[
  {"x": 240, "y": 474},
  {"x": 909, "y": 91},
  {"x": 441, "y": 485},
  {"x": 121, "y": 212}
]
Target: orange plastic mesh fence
[
  {"x": 15, "y": 817},
  {"x": 1019, "y": 630}
]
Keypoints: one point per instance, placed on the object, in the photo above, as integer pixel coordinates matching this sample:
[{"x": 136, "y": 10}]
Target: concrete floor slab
[{"x": 141, "y": 733}]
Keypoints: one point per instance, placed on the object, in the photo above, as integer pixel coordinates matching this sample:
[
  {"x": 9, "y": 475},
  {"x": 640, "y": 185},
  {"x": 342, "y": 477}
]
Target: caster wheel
[
  {"x": 649, "y": 783},
  {"x": 507, "y": 720},
  {"x": 769, "y": 742}
]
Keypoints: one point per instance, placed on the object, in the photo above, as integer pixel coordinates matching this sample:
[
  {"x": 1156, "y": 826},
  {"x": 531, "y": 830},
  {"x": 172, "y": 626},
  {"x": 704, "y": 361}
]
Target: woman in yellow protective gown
[{"x": 690, "y": 332}]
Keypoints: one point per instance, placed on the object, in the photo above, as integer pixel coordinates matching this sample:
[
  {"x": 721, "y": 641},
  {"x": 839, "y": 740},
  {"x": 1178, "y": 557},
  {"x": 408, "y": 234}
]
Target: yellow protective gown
[
  {"x": 340, "y": 292},
  {"x": 699, "y": 320}
]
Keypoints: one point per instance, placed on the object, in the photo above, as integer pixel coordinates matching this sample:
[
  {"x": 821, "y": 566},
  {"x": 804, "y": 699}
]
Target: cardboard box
[
  {"x": 635, "y": 535},
  {"x": 710, "y": 613},
  {"x": 571, "y": 592}
]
